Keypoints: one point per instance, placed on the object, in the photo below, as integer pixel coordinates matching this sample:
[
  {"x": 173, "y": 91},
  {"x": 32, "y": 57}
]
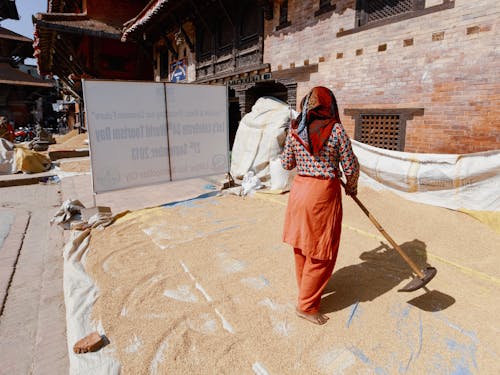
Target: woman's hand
[{"x": 351, "y": 191}]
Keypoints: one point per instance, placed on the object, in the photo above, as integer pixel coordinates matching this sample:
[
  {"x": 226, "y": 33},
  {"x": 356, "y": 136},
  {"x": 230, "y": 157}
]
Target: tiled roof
[
  {"x": 48, "y": 24},
  {"x": 144, "y": 17},
  {"x": 9, "y": 34},
  {"x": 76, "y": 24},
  {"x": 13, "y": 76}
]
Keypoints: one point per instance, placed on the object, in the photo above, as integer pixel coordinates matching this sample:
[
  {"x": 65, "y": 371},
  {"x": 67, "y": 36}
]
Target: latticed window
[
  {"x": 381, "y": 130},
  {"x": 382, "y": 127},
  {"x": 370, "y": 11}
]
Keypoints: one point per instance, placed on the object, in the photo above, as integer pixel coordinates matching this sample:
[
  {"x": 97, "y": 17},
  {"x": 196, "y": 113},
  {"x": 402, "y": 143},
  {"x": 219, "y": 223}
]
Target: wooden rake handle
[{"x": 406, "y": 258}]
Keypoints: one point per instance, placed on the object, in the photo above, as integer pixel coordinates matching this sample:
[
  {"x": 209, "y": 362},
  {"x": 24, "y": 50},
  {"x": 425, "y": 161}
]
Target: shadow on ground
[{"x": 382, "y": 270}]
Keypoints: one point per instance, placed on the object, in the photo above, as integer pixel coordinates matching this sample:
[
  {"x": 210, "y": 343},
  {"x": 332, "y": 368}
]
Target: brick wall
[{"x": 445, "y": 62}]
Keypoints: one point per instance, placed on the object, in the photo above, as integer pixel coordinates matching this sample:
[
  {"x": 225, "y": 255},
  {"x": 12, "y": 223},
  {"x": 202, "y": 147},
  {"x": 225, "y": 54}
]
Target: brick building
[
  {"x": 412, "y": 75},
  {"x": 428, "y": 67}
]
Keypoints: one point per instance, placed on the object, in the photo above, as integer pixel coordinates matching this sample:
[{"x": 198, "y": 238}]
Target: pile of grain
[{"x": 208, "y": 287}]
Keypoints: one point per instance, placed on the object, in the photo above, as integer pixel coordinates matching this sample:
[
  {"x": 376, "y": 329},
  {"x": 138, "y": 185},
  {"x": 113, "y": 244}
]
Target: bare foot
[{"x": 317, "y": 318}]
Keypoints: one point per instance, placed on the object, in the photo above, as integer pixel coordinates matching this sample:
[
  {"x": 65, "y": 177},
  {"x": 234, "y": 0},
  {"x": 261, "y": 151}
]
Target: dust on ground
[{"x": 207, "y": 286}]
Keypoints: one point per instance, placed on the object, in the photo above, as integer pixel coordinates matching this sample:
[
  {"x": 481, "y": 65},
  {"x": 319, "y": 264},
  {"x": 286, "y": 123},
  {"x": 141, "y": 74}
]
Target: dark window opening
[
  {"x": 325, "y": 6},
  {"x": 72, "y": 6},
  {"x": 163, "y": 55},
  {"x": 283, "y": 16},
  {"x": 234, "y": 116}
]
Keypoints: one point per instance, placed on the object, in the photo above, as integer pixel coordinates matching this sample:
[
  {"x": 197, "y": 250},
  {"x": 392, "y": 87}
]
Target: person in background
[
  {"x": 316, "y": 145},
  {"x": 6, "y": 129}
]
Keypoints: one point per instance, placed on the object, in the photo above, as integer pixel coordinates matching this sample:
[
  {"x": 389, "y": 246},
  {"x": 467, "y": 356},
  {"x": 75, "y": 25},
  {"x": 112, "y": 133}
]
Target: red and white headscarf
[{"x": 313, "y": 126}]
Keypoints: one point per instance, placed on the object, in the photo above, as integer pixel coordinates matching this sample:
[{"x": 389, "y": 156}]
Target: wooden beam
[
  {"x": 170, "y": 47},
  {"x": 187, "y": 39}
]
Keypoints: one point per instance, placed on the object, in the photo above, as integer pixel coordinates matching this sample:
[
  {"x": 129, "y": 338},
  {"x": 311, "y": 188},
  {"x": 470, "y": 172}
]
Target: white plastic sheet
[
  {"x": 468, "y": 181},
  {"x": 7, "y": 157},
  {"x": 80, "y": 294},
  {"x": 260, "y": 138}
]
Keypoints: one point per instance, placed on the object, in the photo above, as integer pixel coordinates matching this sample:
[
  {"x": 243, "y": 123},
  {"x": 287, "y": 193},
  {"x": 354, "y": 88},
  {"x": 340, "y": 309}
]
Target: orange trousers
[{"x": 312, "y": 277}]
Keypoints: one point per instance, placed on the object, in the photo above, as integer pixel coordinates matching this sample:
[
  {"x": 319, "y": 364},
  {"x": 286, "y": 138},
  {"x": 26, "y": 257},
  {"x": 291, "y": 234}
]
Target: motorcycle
[{"x": 24, "y": 134}]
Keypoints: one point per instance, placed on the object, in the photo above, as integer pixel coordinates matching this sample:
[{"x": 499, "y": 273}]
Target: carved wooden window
[
  {"x": 251, "y": 25},
  {"x": 283, "y": 15},
  {"x": 205, "y": 43},
  {"x": 381, "y": 130},
  {"x": 370, "y": 11},
  {"x": 225, "y": 37}
]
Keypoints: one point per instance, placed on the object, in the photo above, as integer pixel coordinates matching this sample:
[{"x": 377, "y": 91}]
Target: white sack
[
  {"x": 7, "y": 157},
  {"x": 260, "y": 138},
  {"x": 250, "y": 183},
  {"x": 279, "y": 175},
  {"x": 469, "y": 181}
]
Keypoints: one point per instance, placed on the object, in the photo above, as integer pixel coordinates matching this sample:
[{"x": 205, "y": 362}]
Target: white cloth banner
[{"x": 469, "y": 181}]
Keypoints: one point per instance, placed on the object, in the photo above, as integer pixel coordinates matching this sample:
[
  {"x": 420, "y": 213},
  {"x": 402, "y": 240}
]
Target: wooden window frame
[
  {"x": 404, "y": 114},
  {"x": 362, "y": 16},
  {"x": 447, "y": 4}
]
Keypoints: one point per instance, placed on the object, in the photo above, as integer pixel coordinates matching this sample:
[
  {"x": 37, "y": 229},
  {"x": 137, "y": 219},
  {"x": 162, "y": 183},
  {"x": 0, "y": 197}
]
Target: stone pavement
[
  {"x": 32, "y": 324},
  {"x": 32, "y": 321}
]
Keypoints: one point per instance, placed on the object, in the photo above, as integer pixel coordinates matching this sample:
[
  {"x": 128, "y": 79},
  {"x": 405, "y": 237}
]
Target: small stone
[{"x": 90, "y": 343}]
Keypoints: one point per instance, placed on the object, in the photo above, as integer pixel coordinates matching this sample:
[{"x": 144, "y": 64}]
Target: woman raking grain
[{"x": 317, "y": 145}]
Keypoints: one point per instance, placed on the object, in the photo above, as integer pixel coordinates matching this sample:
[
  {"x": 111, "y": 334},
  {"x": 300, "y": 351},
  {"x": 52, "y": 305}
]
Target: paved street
[{"x": 32, "y": 323}]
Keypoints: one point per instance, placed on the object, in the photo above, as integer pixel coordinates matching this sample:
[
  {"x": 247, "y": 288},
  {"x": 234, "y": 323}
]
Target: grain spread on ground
[
  {"x": 207, "y": 286},
  {"x": 70, "y": 141},
  {"x": 75, "y": 166}
]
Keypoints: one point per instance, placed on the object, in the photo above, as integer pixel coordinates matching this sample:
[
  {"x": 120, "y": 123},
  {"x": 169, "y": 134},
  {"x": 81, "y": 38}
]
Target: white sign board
[
  {"x": 197, "y": 129},
  {"x": 136, "y": 140}
]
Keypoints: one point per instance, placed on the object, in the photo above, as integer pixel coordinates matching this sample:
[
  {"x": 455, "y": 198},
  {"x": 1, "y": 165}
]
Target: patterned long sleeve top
[{"x": 337, "y": 150}]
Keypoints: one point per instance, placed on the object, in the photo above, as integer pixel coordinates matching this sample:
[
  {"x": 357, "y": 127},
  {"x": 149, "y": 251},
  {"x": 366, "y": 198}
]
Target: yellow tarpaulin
[
  {"x": 30, "y": 161},
  {"x": 490, "y": 218}
]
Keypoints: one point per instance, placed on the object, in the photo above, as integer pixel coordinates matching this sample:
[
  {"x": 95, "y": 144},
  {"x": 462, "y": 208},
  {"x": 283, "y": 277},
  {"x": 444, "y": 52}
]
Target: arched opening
[{"x": 269, "y": 88}]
